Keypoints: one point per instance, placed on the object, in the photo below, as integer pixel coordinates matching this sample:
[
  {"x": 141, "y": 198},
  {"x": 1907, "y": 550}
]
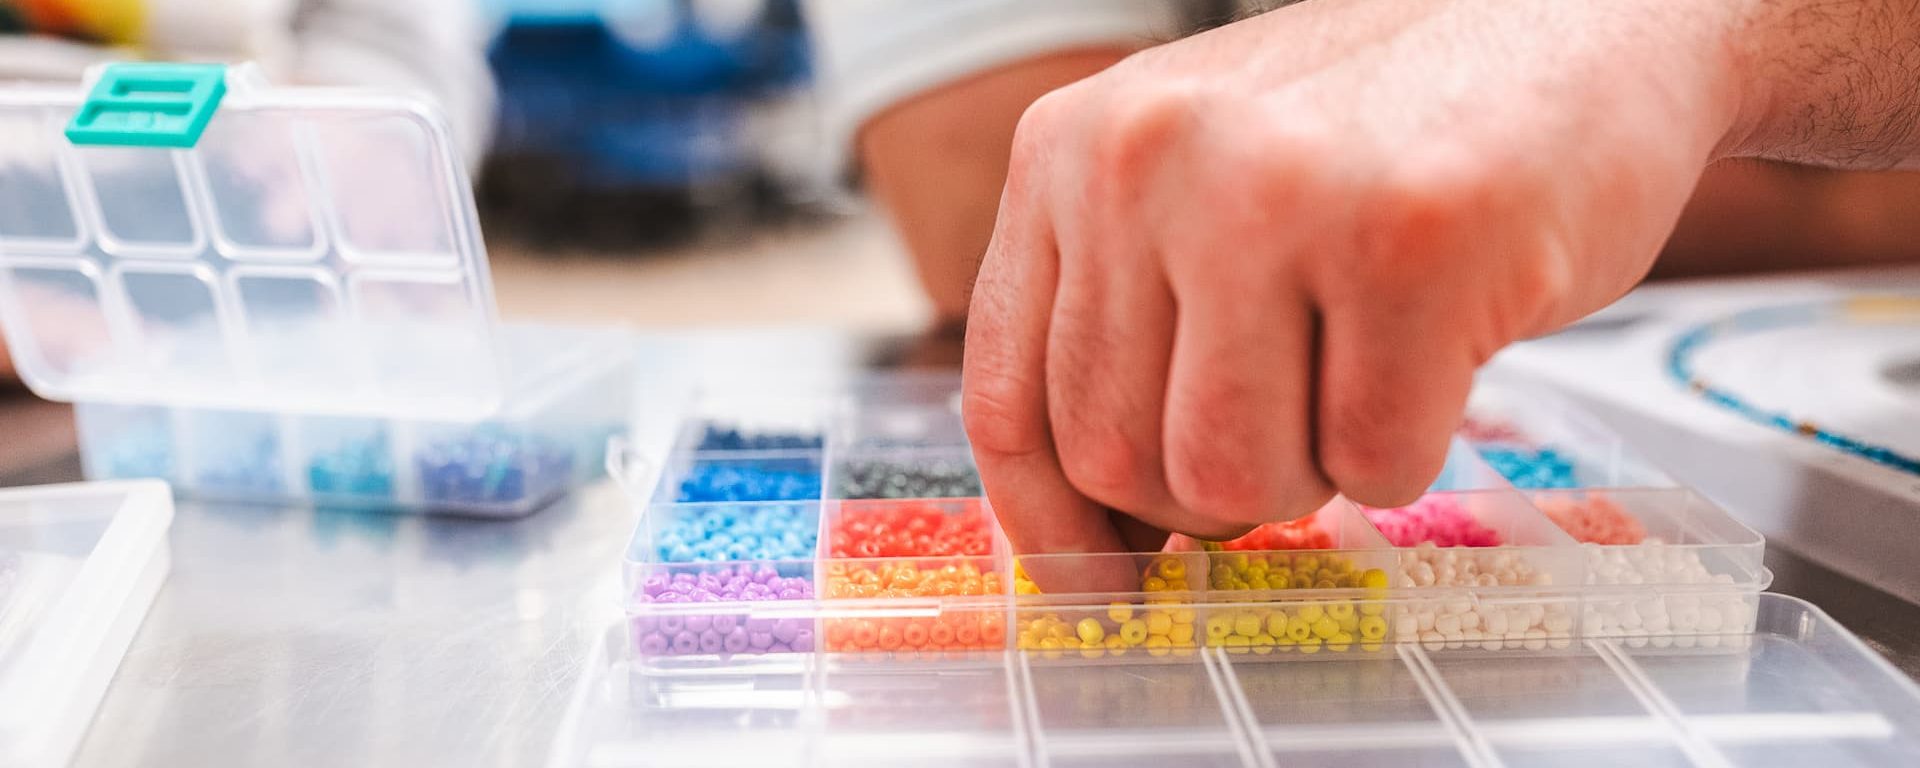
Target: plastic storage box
[
  {"x": 886, "y": 620},
  {"x": 280, "y": 294},
  {"x": 79, "y": 566}
]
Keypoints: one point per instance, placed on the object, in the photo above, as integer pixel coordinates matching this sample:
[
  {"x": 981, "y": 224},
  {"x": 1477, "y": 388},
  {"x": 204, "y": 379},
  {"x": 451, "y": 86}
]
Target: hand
[{"x": 1236, "y": 274}]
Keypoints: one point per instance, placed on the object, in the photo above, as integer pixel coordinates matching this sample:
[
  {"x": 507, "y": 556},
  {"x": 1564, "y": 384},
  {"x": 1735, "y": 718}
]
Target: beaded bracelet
[{"x": 1853, "y": 310}]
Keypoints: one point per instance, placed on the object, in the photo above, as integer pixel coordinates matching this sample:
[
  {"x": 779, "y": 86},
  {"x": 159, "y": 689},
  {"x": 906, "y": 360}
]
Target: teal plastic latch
[{"x": 149, "y": 105}]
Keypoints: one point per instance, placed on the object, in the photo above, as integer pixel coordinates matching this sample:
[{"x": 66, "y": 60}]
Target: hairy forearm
[{"x": 1828, "y": 82}]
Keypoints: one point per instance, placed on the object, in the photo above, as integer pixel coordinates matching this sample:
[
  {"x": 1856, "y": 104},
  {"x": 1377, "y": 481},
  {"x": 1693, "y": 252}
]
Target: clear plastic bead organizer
[
  {"x": 308, "y": 250},
  {"x": 280, "y": 295},
  {"x": 778, "y": 612},
  {"x": 79, "y": 566}
]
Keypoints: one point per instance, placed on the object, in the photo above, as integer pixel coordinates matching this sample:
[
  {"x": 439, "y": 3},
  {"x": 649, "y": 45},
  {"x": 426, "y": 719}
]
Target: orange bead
[
  {"x": 865, "y": 634},
  {"x": 890, "y": 638},
  {"x": 836, "y": 634},
  {"x": 967, "y": 635},
  {"x": 940, "y": 634},
  {"x": 915, "y": 635}
]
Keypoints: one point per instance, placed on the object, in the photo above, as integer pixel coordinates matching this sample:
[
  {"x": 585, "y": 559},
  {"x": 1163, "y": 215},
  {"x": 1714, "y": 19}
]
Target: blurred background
[{"x": 661, "y": 162}]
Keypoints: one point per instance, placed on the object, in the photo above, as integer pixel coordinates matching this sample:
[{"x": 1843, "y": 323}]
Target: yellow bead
[
  {"x": 1024, "y": 587},
  {"x": 1277, "y": 623},
  {"x": 1369, "y": 647},
  {"x": 1037, "y": 625},
  {"x": 1219, "y": 626},
  {"x": 1302, "y": 581},
  {"x": 1115, "y": 645},
  {"x": 1237, "y": 561},
  {"x": 1263, "y": 643},
  {"x": 1132, "y": 632},
  {"x": 1340, "y": 610},
  {"x": 1325, "y": 584},
  {"x": 1257, "y": 567},
  {"x": 1280, "y": 577},
  {"x": 1177, "y": 585},
  {"x": 1172, "y": 568},
  {"x": 1184, "y": 616},
  {"x": 1158, "y": 645},
  {"x": 1050, "y": 647},
  {"x": 1374, "y": 578},
  {"x": 1221, "y": 580},
  {"x": 1340, "y": 642},
  {"x": 1090, "y": 631},
  {"x": 1325, "y": 628},
  {"x": 1373, "y": 627},
  {"x": 1237, "y": 644},
  {"x": 1370, "y": 608},
  {"x": 1246, "y": 624},
  {"x": 1092, "y": 651},
  {"x": 1299, "y": 629},
  {"x": 1119, "y": 612},
  {"x": 1308, "y": 563},
  {"x": 1181, "y": 634},
  {"x": 1310, "y": 645},
  {"x": 1059, "y": 631},
  {"x": 1154, "y": 584},
  {"x": 1258, "y": 582},
  {"x": 1159, "y": 623},
  {"x": 1348, "y": 624},
  {"x": 1311, "y": 612}
]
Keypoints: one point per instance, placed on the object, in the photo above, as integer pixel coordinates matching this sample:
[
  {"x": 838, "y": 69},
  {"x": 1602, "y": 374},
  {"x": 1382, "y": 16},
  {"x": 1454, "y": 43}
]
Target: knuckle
[
  {"x": 1218, "y": 479},
  {"x": 1103, "y": 464},
  {"x": 993, "y": 410},
  {"x": 1365, "y": 461},
  {"x": 1137, "y": 131}
]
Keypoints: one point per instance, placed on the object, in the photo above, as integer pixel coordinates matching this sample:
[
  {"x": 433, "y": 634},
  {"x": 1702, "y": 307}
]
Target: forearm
[
  {"x": 1748, "y": 216},
  {"x": 1828, "y": 82}
]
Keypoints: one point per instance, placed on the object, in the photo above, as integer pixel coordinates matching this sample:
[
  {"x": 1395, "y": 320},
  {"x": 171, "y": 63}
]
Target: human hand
[{"x": 1235, "y": 274}]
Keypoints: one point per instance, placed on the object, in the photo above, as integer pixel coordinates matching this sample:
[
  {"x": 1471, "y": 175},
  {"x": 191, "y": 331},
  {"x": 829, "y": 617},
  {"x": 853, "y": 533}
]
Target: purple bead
[
  {"x": 759, "y": 624},
  {"x": 653, "y": 644},
  {"x": 760, "y": 640},
  {"x": 685, "y": 643},
  {"x": 735, "y": 641},
  {"x": 671, "y": 597},
  {"x": 681, "y": 587},
  {"x": 705, "y": 597},
  {"x": 654, "y": 585},
  {"x": 793, "y": 594},
  {"x": 699, "y": 622},
  {"x": 785, "y": 629},
  {"x": 763, "y": 575},
  {"x": 725, "y": 622},
  {"x": 779, "y": 648},
  {"x": 803, "y": 641},
  {"x": 672, "y": 624},
  {"x": 645, "y": 624},
  {"x": 710, "y": 642},
  {"x": 682, "y": 577}
]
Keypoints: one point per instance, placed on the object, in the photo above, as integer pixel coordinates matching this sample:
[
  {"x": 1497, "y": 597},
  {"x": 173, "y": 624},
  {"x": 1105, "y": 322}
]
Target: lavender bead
[
  {"x": 793, "y": 594},
  {"x": 785, "y": 629},
  {"x": 760, "y": 641},
  {"x": 645, "y": 624},
  {"x": 653, "y": 644},
  {"x": 780, "y": 648},
  {"x": 735, "y": 641},
  {"x": 672, "y": 624},
  {"x": 803, "y": 641},
  {"x": 655, "y": 585},
  {"x": 685, "y": 643},
  {"x": 758, "y": 624},
  {"x": 710, "y": 642},
  {"x": 699, "y": 622},
  {"x": 725, "y": 622}
]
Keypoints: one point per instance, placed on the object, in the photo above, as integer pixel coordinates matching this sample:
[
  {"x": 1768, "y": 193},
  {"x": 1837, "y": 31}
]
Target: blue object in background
[
  {"x": 353, "y": 467},
  {"x": 1531, "y": 468},
  {"x": 751, "y": 480},
  {"x": 492, "y": 466},
  {"x": 238, "y": 454}
]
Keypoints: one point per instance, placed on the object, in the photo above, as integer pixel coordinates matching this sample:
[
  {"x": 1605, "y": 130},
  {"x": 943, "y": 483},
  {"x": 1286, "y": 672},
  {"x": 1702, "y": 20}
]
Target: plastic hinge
[{"x": 149, "y": 105}]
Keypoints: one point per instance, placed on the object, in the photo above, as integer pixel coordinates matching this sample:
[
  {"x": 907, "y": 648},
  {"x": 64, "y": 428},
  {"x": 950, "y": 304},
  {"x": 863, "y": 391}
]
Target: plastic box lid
[
  {"x": 1799, "y": 690},
  {"x": 317, "y": 250},
  {"x": 79, "y": 566}
]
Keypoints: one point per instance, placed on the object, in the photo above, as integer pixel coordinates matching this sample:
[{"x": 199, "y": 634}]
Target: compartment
[
  {"x": 36, "y": 197},
  {"x": 179, "y": 336},
  {"x": 1467, "y": 519},
  {"x": 763, "y": 476},
  {"x": 349, "y": 460},
  {"x": 237, "y": 455},
  {"x": 125, "y": 442},
  {"x": 961, "y": 712},
  {"x": 1132, "y": 714},
  {"x": 1347, "y": 712},
  {"x": 258, "y": 195},
  {"x": 56, "y": 320},
  {"x": 142, "y": 201},
  {"x": 900, "y": 410},
  {"x": 721, "y": 610},
  {"x": 913, "y": 607},
  {"x": 387, "y": 181},
  {"x": 763, "y": 531},
  {"x": 904, "y": 474}
]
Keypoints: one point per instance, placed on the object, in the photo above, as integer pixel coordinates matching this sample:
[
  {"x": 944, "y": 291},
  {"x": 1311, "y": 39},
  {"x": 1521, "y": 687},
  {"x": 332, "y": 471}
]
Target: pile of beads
[
  {"x": 1435, "y": 519},
  {"x": 910, "y": 529},
  {"x": 1539, "y": 468},
  {"x": 723, "y": 437},
  {"x": 1304, "y": 533},
  {"x": 1662, "y": 617},
  {"x": 235, "y": 457},
  {"x": 954, "y": 629},
  {"x": 771, "y": 480},
  {"x": 1336, "y": 625},
  {"x": 671, "y": 633},
  {"x": 1490, "y": 431},
  {"x": 930, "y": 479},
  {"x": 139, "y": 450},
  {"x": 486, "y": 467},
  {"x": 362, "y": 467},
  {"x": 1165, "y": 625},
  {"x": 1594, "y": 519},
  {"x": 762, "y": 532},
  {"x": 1462, "y": 621}
]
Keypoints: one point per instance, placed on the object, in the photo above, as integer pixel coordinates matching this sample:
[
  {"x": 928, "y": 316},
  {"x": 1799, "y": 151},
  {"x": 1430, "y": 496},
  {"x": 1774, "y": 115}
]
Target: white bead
[
  {"x": 1492, "y": 643},
  {"x": 1560, "y": 642},
  {"x": 1425, "y": 620},
  {"x": 1536, "y": 640},
  {"x": 1470, "y": 620},
  {"x": 1558, "y": 623},
  {"x": 1496, "y": 621},
  {"x": 1457, "y": 607},
  {"x": 1662, "y": 640},
  {"x": 1709, "y": 641},
  {"x": 1432, "y": 641},
  {"x": 1657, "y": 623},
  {"x": 1684, "y": 641},
  {"x": 1406, "y": 626},
  {"x": 1709, "y": 621},
  {"x": 1447, "y": 625}
]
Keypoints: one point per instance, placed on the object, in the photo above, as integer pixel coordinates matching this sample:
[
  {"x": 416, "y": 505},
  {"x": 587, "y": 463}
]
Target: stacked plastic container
[
  {"x": 280, "y": 294},
  {"x": 863, "y": 606},
  {"x": 79, "y": 566}
]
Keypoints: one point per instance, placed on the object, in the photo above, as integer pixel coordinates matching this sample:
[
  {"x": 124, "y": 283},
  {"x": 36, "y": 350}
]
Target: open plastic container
[
  {"x": 278, "y": 294},
  {"x": 1665, "y": 650},
  {"x": 79, "y": 566}
]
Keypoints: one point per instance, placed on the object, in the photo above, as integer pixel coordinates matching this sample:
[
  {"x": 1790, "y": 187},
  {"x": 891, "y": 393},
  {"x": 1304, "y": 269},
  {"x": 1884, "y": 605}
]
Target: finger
[
  {"x": 1004, "y": 401},
  {"x": 1393, "y": 382},
  {"x": 1238, "y": 420}
]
